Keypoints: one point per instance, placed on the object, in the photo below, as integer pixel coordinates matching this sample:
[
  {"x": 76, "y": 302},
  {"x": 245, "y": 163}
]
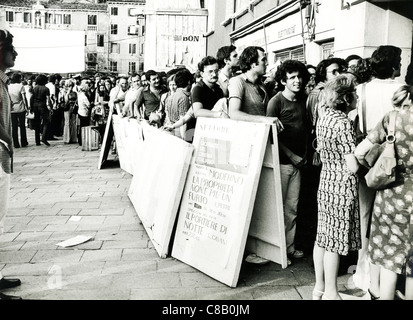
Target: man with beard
[
  {"x": 148, "y": 99},
  {"x": 206, "y": 93}
]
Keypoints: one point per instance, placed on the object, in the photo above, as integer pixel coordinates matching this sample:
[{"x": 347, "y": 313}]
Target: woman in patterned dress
[
  {"x": 338, "y": 229},
  {"x": 391, "y": 234}
]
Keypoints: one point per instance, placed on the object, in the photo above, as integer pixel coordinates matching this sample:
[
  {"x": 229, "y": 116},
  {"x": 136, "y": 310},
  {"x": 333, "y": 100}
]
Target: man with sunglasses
[{"x": 7, "y": 58}]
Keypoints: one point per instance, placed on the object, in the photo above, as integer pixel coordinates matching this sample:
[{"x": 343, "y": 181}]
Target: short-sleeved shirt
[
  {"x": 40, "y": 94},
  {"x": 378, "y": 95},
  {"x": 254, "y": 97},
  {"x": 5, "y": 122},
  {"x": 178, "y": 106},
  {"x": 205, "y": 95},
  {"x": 151, "y": 101},
  {"x": 223, "y": 81},
  {"x": 16, "y": 91},
  {"x": 292, "y": 115}
]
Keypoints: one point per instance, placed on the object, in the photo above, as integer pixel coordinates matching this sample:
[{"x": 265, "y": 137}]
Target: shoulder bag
[{"x": 382, "y": 174}]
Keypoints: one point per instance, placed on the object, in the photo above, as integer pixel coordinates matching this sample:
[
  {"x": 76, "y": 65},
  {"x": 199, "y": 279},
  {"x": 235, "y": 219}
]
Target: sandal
[
  {"x": 317, "y": 294},
  {"x": 372, "y": 296}
]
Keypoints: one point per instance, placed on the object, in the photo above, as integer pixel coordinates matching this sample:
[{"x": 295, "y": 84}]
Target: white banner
[{"x": 49, "y": 51}]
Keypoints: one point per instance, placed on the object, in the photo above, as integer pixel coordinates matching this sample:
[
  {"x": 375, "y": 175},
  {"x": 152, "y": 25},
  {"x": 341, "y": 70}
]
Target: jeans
[
  {"x": 290, "y": 188},
  {"x": 18, "y": 120}
]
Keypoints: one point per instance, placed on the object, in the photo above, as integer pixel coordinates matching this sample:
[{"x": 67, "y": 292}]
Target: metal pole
[{"x": 302, "y": 31}]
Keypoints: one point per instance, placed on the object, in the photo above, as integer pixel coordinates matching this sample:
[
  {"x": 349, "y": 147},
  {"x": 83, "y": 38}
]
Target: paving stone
[
  {"x": 39, "y": 245},
  {"x": 17, "y": 212},
  {"x": 139, "y": 254},
  {"x": 8, "y": 236},
  {"x": 57, "y": 256},
  {"x": 33, "y": 236},
  {"x": 173, "y": 265},
  {"x": 11, "y": 246},
  {"x": 27, "y": 227},
  {"x": 119, "y": 235},
  {"x": 26, "y": 269},
  {"x": 148, "y": 280},
  {"x": 64, "y": 235},
  {"x": 129, "y": 267},
  {"x": 21, "y": 256},
  {"x": 225, "y": 293},
  {"x": 163, "y": 294},
  {"x": 68, "y": 212},
  {"x": 102, "y": 255},
  {"x": 283, "y": 292},
  {"x": 99, "y": 211},
  {"x": 197, "y": 279},
  {"x": 125, "y": 244},
  {"x": 77, "y": 204}
]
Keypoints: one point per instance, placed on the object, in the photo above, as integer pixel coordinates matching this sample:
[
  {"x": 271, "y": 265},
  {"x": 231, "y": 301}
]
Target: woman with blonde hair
[
  {"x": 338, "y": 226},
  {"x": 84, "y": 108},
  {"x": 391, "y": 235},
  {"x": 70, "y": 100}
]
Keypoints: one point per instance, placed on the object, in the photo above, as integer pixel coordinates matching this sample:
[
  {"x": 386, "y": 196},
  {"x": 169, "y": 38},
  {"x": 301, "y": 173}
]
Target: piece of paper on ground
[{"x": 74, "y": 241}]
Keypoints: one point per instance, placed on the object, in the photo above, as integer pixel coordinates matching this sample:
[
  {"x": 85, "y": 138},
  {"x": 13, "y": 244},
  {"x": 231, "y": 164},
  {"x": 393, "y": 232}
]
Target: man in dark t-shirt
[
  {"x": 289, "y": 106},
  {"x": 207, "y": 92}
]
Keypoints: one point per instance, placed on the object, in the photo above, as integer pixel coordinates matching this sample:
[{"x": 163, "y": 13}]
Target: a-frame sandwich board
[{"x": 220, "y": 196}]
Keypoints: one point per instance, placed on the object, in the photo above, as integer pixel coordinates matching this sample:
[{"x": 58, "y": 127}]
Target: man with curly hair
[{"x": 289, "y": 107}]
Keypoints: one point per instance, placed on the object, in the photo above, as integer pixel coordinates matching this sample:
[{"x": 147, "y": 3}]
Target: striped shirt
[{"x": 5, "y": 123}]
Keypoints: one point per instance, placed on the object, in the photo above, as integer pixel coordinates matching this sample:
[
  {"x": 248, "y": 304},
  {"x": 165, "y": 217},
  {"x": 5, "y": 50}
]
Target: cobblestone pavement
[{"x": 57, "y": 193}]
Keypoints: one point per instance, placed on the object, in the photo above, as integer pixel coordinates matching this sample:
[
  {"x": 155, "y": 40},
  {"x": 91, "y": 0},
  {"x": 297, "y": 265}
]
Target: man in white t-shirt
[{"x": 227, "y": 58}]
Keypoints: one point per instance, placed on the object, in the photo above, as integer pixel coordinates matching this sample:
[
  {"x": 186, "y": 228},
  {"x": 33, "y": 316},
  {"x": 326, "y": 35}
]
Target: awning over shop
[{"x": 402, "y": 7}]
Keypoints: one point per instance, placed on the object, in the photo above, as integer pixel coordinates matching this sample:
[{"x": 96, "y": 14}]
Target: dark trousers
[
  {"x": 56, "y": 123},
  {"x": 41, "y": 125},
  {"x": 18, "y": 120}
]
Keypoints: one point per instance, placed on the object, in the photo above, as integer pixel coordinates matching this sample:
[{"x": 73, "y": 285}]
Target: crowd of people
[{"x": 327, "y": 117}]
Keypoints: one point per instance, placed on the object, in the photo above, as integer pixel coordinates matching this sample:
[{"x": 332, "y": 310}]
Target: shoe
[
  {"x": 296, "y": 254},
  {"x": 46, "y": 143},
  {"x": 253, "y": 258},
  {"x": 38, "y": 144},
  {"x": 9, "y": 283},
  {"x": 317, "y": 294},
  {"x": 373, "y": 296},
  {"x": 9, "y": 297},
  {"x": 16, "y": 146},
  {"x": 289, "y": 262},
  {"x": 25, "y": 145},
  {"x": 399, "y": 296},
  {"x": 337, "y": 297}
]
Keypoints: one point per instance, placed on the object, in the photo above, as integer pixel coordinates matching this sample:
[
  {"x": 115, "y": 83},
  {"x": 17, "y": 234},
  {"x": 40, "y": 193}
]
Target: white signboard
[
  {"x": 219, "y": 195},
  {"x": 121, "y": 136},
  {"x": 158, "y": 183}
]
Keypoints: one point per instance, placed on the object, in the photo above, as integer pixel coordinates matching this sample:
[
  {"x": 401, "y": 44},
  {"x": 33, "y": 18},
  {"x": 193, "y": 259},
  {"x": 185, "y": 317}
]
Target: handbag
[
  {"x": 30, "y": 115},
  {"x": 383, "y": 172}
]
